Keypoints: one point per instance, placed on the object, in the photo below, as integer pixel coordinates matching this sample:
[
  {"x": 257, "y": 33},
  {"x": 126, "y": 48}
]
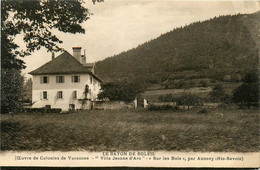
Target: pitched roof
[
  {"x": 63, "y": 64},
  {"x": 89, "y": 65}
]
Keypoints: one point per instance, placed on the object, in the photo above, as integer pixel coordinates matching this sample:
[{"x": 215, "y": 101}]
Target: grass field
[
  {"x": 99, "y": 130},
  {"x": 153, "y": 94}
]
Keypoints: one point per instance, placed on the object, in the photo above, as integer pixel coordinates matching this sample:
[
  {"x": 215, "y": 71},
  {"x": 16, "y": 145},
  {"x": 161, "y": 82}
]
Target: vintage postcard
[{"x": 130, "y": 83}]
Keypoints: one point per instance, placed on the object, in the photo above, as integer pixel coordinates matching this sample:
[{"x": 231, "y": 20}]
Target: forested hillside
[{"x": 226, "y": 45}]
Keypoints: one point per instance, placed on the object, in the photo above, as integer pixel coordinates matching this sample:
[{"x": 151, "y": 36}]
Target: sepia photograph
[{"x": 130, "y": 80}]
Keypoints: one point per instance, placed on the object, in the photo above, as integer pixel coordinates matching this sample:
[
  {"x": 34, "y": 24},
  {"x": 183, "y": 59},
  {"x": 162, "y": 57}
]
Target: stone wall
[
  {"x": 113, "y": 105},
  {"x": 87, "y": 105}
]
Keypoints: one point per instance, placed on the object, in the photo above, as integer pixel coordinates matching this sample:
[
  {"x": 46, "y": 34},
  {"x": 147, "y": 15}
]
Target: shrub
[
  {"x": 192, "y": 83},
  {"x": 213, "y": 81},
  {"x": 42, "y": 110},
  {"x": 218, "y": 94},
  {"x": 203, "y": 83},
  {"x": 236, "y": 78},
  {"x": 181, "y": 84},
  {"x": 174, "y": 83},
  {"x": 154, "y": 107},
  {"x": 168, "y": 84},
  {"x": 189, "y": 100},
  {"x": 251, "y": 77},
  {"x": 166, "y": 98},
  {"x": 227, "y": 78},
  {"x": 248, "y": 93},
  {"x": 118, "y": 91},
  {"x": 203, "y": 111}
]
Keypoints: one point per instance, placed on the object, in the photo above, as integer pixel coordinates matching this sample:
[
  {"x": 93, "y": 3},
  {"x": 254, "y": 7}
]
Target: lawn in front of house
[{"x": 98, "y": 130}]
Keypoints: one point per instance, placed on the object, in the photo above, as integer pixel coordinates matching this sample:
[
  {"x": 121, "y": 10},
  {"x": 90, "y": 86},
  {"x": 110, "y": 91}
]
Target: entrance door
[{"x": 72, "y": 107}]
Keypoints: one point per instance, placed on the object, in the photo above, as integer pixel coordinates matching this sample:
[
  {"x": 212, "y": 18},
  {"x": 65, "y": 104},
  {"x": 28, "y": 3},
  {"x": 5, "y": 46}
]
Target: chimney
[
  {"x": 77, "y": 53},
  {"x": 52, "y": 55},
  {"x": 83, "y": 58}
]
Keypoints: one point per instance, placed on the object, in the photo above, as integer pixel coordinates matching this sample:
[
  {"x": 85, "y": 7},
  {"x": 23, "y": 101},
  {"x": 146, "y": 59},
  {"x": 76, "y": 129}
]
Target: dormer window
[{"x": 75, "y": 79}]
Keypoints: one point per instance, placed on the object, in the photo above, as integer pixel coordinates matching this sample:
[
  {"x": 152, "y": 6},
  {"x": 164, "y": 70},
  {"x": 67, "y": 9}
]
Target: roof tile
[{"x": 63, "y": 64}]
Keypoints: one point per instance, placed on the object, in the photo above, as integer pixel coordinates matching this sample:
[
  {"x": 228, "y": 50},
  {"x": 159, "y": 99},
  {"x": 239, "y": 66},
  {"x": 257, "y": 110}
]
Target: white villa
[{"x": 62, "y": 82}]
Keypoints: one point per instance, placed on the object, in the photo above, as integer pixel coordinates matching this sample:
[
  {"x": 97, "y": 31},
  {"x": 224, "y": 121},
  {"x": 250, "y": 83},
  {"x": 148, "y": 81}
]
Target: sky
[{"x": 120, "y": 25}]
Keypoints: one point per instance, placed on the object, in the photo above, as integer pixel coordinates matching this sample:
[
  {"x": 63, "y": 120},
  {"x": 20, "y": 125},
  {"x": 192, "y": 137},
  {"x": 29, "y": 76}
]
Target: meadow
[
  {"x": 152, "y": 94},
  {"x": 219, "y": 130}
]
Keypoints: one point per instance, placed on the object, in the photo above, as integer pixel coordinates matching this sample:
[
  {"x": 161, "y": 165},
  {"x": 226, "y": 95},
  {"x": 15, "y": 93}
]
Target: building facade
[{"x": 65, "y": 82}]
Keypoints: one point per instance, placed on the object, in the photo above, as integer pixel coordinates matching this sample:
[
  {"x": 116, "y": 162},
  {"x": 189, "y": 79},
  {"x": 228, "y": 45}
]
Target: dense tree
[
  {"x": 251, "y": 77},
  {"x": 218, "y": 94},
  {"x": 27, "y": 87},
  {"x": 222, "y": 46},
  {"x": 11, "y": 90},
  {"x": 189, "y": 100},
  {"x": 118, "y": 91},
  {"x": 248, "y": 93},
  {"x": 35, "y": 20}
]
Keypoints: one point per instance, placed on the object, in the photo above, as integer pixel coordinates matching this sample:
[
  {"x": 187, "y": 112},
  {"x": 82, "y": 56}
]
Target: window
[
  {"x": 44, "y": 95},
  {"x": 91, "y": 79},
  {"x": 94, "y": 84},
  {"x": 59, "y": 95},
  {"x": 44, "y": 79},
  {"x": 59, "y": 79},
  {"x": 75, "y": 94},
  {"x": 75, "y": 79}
]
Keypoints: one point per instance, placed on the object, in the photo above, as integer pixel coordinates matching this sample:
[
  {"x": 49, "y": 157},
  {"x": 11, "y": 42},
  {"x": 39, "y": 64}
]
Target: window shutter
[
  {"x": 47, "y": 95},
  {"x": 63, "y": 79},
  {"x": 41, "y": 79},
  {"x": 47, "y": 79},
  {"x": 78, "y": 78},
  {"x": 57, "y": 79},
  {"x": 71, "y": 79},
  {"x": 41, "y": 95},
  {"x": 57, "y": 94}
]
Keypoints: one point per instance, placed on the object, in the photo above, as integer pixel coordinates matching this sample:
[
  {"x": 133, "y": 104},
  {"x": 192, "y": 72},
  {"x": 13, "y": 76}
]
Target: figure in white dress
[
  {"x": 135, "y": 102},
  {"x": 145, "y": 103}
]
